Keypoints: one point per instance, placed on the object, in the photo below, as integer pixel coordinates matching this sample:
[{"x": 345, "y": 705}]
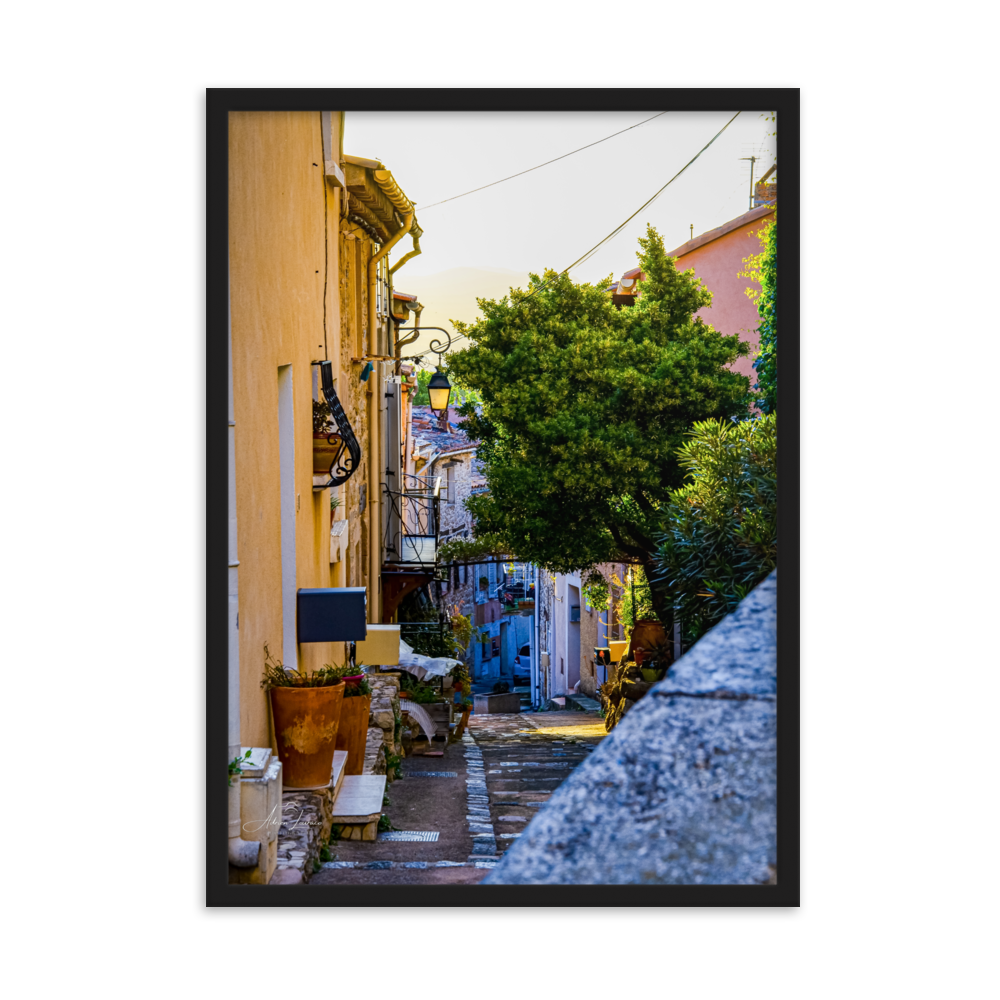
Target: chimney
[{"x": 765, "y": 192}]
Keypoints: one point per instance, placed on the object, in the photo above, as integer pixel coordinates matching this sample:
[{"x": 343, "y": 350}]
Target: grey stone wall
[
  {"x": 455, "y": 519},
  {"x": 683, "y": 790}
]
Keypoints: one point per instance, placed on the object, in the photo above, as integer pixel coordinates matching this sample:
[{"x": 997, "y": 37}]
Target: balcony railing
[{"x": 412, "y": 523}]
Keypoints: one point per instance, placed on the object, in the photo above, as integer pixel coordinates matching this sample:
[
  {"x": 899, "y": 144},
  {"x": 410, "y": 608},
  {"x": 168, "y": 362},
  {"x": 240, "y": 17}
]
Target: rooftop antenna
[
  {"x": 753, "y": 160},
  {"x": 692, "y": 230}
]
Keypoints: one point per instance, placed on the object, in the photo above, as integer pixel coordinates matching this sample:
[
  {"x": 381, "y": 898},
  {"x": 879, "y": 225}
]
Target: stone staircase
[{"x": 582, "y": 703}]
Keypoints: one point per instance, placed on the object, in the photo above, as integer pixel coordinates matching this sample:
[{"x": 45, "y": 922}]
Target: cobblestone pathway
[
  {"x": 524, "y": 759},
  {"x": 478, "y": 798}
]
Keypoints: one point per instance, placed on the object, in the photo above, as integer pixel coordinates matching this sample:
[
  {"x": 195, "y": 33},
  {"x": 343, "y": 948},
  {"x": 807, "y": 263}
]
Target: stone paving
[
  {"x": 480, "y": 795},
  {"x": 524, "y": 760}
]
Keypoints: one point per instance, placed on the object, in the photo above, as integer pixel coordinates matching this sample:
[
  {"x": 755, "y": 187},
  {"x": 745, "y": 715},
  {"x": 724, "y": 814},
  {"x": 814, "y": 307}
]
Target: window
[
  {"x": 450, "y": 483},
  {"x": 496, "y": 645}
]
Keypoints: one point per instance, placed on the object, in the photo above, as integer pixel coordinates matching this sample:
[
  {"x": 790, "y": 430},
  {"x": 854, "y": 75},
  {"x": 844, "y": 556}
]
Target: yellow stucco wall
[{"x": 282, "y": 212}]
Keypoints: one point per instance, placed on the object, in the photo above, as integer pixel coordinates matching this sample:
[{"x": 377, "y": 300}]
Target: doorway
[
  {"x": 506, "y": 662},
  {"x": 573, "y": 637}
]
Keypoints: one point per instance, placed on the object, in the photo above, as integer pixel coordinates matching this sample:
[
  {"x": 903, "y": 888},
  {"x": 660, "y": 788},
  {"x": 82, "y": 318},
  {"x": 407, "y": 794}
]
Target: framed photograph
[{"x": 492, "y": 470}]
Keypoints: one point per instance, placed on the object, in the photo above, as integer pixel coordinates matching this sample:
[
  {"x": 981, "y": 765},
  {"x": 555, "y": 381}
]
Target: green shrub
[{"x": 721, "y": 527}]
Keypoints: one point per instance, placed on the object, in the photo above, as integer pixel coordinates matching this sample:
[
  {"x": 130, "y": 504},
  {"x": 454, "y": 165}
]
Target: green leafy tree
[
  {"x": 583, "y": 409},
  {"x": 596, "y": 591},
  {"x": 763, "y": 268},
  {"x": 721, "y": 527}
]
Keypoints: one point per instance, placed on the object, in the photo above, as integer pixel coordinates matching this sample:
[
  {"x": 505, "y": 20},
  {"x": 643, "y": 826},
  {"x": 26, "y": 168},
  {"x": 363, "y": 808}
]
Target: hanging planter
[{"x": 326, "y": 448}]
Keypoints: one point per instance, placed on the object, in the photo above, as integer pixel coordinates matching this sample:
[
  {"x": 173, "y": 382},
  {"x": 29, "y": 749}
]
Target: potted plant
[
  {"x": 326, "y": 440},
  {"x": 464, "y": 720},
  {"x": 421, "y": 693},
  {"x": 353, "y": 732},
  {"x": 647, "y": 633},
  {"x": 655, "y": 661},
  {"x": 350, "y": 672},
  {"x": 306, "y": 710},
  {"x": 484, "y": 582}
]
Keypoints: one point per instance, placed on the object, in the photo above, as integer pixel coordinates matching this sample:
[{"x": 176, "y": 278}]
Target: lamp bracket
[{"x": 435, "y": 345}]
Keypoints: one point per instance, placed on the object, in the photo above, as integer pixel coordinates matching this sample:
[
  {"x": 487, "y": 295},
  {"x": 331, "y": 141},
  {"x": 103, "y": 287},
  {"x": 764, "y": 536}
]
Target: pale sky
[{"x": 551, "y": 216}]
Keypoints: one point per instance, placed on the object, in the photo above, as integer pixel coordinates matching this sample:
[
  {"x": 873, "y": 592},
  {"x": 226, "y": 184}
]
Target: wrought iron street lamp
[{"x": 439, "y": 389}]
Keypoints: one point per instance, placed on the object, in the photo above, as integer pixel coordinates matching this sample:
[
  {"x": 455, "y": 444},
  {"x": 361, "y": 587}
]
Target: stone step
[
  {"x": 583, "y": 703},
  {"x": 359, "y": 798}
]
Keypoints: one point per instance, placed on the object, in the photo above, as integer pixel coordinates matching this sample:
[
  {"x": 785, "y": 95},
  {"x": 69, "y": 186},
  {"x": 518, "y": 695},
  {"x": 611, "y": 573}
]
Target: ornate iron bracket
[
  {"x": 343, "y": 466},
  {"x": 435, "y": 346}
]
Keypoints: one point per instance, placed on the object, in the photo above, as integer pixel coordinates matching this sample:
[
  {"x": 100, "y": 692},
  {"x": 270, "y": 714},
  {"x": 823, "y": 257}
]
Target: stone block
[
  {"x": 286, "y": 876},
  {"x": 494, "y": 704},
  {"x": 260, "y": 874},
  {"x": 260, "y": 804},
  {"x": 383, "y": 717}
]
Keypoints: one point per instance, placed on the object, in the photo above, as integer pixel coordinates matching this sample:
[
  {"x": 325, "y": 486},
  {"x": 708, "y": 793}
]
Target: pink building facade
[{"x": 717, "y": 259}]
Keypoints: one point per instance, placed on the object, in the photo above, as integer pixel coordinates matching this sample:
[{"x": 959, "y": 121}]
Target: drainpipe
[
  {"x": 242, "y": 853},
  {"x": 402, "y": 260}
]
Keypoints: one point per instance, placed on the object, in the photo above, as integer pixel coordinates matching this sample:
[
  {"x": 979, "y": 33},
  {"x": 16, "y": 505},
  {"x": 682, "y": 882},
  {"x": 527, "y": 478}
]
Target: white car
[{"x": 522, "y": 662}]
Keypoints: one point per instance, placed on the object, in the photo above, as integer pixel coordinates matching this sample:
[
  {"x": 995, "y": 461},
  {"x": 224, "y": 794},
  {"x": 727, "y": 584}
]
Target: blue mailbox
[{"x": 332, "y": 614}]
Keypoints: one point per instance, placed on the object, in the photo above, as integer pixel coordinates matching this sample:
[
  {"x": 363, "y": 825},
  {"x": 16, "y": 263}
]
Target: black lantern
[{"x": 439, "y": 389}]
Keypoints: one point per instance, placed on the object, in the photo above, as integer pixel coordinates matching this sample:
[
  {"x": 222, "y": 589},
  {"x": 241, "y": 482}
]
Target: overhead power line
[
  {"x": 616, "y": 231},
  {"x": 423, "y": 208}
]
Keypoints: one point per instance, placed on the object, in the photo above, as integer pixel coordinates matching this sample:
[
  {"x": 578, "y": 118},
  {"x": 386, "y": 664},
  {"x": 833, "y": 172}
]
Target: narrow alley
[
  {"x": 427, "y": 634},
  {"x": 455, "y": 815}
]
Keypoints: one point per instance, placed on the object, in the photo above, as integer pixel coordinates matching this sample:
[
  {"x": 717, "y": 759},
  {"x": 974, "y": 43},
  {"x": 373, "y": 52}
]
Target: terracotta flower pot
[
  {"x": 353, "y": 732},
  {"x": 306, "y": 720},
  {"x": 324, "y": 452},
  {"x": 647, "y": 634},
  {"x": 462, "y": 723}
]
